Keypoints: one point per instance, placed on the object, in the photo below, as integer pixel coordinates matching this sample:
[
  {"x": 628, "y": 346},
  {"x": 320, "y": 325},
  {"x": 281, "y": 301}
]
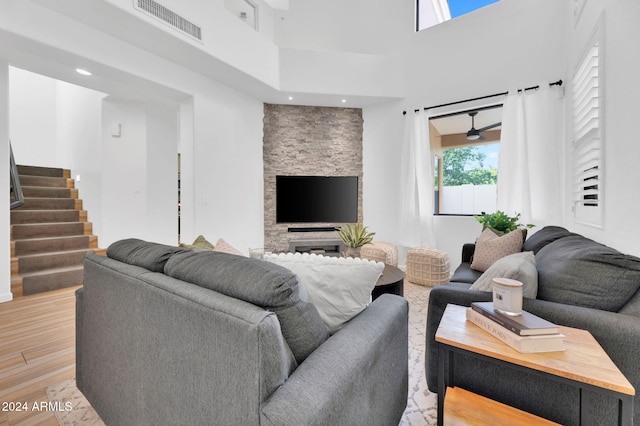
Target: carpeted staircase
[{"x": 50, "y": 234}]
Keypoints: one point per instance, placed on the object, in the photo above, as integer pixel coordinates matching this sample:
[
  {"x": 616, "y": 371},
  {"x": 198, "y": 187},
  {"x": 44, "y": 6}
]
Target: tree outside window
[{"x": 466, "y": 165}]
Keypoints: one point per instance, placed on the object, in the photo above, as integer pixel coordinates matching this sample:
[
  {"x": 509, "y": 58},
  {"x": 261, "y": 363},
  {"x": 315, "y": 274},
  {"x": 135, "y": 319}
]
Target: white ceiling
[{"x": 462, "y": 123}]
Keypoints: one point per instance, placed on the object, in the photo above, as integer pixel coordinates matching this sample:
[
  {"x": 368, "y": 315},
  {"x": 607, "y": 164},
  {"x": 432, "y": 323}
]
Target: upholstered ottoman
[
  {"x": 380, "y": 252},
  {"x": 427, "y": 266}
]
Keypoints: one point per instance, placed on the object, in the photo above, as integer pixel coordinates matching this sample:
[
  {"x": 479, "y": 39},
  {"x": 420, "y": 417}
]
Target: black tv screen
[{"x": 313, "y": 199}]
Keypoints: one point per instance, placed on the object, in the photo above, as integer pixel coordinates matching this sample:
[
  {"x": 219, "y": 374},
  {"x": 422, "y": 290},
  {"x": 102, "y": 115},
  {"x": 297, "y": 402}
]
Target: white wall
[
  {"x": 124, "y": 175},
  {"x": 517, "y": 44},
  {"x": 34, "y": 122},
  {"x": 227, "y": 167},
  {"x": 139, "y": 178},
  {"x": 79, "y": 144},
  {"x": 113, "y": 172},
  {"x": 5, "y": 253},
  {"x": 187, "y": 186},
  {"x": 621, "y": 149},
  {"x": 376, "y": 26},
  {"x": 339, "y": 73},
  {"x": 221, "y": 139},
  {"x": 251, "y": 52},
  {"x": 382, "y": 138},
  {"x": 508, "y": 45},
  {"x": 162, "y": 174}
]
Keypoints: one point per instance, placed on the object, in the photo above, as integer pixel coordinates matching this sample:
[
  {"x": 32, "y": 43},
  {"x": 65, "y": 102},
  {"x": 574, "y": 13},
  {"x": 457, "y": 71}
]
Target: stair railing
[{"x": 16, "y": 188}]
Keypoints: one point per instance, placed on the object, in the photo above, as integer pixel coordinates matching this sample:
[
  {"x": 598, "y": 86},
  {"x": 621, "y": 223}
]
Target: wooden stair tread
[
  {"x": 52, "y": 270},
  {"x": 43, "y": 230},
  {"x": 43, "y": 171},
  {"x": 39, "y": 245},
  {"x": 48, "y": 192},
  {"x": 47, "y": 216},
  {"x": 56, "y": 253},
  {"x": 45, "y": 210},
  {"x": 64, "y": 237},
  {"x": 52, "y": 259},
  {"x": 46, "y": 181},
  {"x": 49, "y": 203}
]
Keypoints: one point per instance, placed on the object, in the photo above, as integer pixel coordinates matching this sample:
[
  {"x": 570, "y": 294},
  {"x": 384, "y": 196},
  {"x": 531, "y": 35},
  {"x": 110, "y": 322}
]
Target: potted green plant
[
  {"x": 501, "y": 223},
  {"x": 354, "y": 236}
]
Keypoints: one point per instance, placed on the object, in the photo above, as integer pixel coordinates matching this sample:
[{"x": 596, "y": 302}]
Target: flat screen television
[{"x": 316, "y": 199}]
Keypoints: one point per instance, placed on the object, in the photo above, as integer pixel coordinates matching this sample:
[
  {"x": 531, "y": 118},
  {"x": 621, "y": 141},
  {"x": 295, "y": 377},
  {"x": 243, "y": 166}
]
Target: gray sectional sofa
[
  {"x": 581, "y": 284},
  {"x": 176, "y": 337}
]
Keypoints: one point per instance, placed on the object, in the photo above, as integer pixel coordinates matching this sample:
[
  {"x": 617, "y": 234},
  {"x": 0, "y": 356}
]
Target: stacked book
[{"x": 525, "y": 333}]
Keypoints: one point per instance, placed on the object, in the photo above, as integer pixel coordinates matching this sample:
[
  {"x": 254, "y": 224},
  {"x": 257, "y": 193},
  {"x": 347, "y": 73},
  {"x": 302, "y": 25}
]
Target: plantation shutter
[{"x": 588, "y": 138}]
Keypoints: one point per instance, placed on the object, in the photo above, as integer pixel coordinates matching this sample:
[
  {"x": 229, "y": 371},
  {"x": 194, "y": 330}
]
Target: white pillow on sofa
[
  {"x": 518, "y": 266},
  {"x": 340, "y": 288}
]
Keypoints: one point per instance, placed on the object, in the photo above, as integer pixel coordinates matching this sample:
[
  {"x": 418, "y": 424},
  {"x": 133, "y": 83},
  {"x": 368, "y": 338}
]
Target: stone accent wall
[{"x": 308, "y": 140}]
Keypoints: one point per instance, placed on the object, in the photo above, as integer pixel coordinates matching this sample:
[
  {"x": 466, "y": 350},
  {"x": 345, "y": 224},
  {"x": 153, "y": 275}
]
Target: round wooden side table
[{"x": 391, "y": 281}]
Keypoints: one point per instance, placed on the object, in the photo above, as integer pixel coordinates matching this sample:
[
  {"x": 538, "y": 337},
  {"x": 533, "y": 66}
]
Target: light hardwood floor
[{"x": 37, "y": 349}]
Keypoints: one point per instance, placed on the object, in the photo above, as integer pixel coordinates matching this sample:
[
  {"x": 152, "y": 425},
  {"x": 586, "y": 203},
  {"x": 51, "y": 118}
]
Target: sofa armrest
[
  {"x": 439, "y": 298},
  {"x": 467, "y": 252},
  {"x": 358, "y": 376}
]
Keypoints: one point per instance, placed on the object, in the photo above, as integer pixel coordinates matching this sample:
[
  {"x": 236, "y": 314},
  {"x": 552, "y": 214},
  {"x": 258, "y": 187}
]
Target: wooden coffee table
[
  {"x": 391, "y": 281},
  {"x": 583, "y": 364}
]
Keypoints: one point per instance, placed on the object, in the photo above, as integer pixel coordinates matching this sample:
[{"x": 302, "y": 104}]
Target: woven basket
[
  {"x": 427, "y": 266},
  {"x": 380, "y": 252}
]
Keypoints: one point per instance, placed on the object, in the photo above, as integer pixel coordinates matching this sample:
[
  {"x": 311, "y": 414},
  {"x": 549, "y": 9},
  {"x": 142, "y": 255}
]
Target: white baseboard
[{"x": 6, "y": 297}]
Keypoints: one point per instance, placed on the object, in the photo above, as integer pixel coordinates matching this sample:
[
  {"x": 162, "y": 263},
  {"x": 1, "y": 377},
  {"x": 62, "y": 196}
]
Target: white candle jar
[{"x": 507, "y": 296}]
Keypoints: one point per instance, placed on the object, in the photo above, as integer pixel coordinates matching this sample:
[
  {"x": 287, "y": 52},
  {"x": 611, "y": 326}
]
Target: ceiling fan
[{"x": 474, "y": 134}]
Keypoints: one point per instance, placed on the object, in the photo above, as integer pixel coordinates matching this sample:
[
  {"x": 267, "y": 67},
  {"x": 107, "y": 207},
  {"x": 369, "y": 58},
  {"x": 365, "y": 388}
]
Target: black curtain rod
[{"x": 555, "y": 83}]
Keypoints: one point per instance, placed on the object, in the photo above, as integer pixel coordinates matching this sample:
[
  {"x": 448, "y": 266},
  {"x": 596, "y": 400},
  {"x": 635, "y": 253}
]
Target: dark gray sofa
[
  {"x": 165, "y": 337},
  {"x": 581, "y": 284}
]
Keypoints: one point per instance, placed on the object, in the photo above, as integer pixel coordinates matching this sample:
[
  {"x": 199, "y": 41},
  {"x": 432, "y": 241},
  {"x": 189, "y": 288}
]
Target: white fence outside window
[{"x": 468, "y": 199}]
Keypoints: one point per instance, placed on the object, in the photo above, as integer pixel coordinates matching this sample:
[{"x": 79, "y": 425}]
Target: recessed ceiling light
[
  {"x": 290, "y": 98},
  {"x": 344, "y": 100},
  {"x": 82, "y": 71}
]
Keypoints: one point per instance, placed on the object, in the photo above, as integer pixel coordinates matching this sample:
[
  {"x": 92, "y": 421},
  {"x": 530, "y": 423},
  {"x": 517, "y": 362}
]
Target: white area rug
[
  {"x": 81, "y": 412},
  {"x": 421, "y": 405}
]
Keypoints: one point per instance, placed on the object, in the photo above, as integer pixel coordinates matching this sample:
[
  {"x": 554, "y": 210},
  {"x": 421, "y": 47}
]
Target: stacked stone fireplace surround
[{"x": 308, "y": 141}]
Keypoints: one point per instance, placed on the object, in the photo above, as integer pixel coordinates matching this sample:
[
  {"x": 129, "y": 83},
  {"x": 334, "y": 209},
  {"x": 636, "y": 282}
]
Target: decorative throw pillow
[
  {"x": 224, "y": 247},
  {"x": 199, "y": 243},
  {"x": 517, "y": 266},
  {"x": 340, "y": 288},
  {"x": 491, "y": 247}
]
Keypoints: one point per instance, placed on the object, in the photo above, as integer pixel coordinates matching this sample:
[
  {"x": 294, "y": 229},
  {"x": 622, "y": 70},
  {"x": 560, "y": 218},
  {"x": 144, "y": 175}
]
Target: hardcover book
[
  {"x": 526, "y": 324},
  {"x": 524, "y": 344}
]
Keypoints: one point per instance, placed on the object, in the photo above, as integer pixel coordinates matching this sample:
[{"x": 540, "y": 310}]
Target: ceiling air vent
[{"x": 154, "y": 8}]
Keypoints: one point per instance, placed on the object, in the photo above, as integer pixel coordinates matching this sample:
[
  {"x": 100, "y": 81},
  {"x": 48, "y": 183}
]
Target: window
[
  {"x": 588, "y": 135},
  {"x": 433, "y": 12},
  {"x": 466, "y": 171}
]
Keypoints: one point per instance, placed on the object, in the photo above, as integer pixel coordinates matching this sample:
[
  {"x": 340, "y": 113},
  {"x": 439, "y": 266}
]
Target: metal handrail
[{"x": 15, "y": 186}]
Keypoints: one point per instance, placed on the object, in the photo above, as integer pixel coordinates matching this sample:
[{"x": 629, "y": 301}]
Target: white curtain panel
[
  {"x": 416, "y": 191},
  {"x": 531, "y": 155}
]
